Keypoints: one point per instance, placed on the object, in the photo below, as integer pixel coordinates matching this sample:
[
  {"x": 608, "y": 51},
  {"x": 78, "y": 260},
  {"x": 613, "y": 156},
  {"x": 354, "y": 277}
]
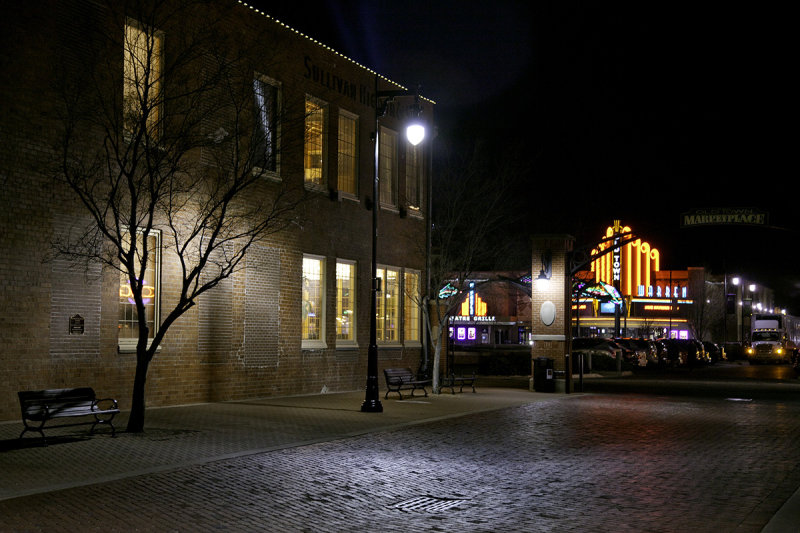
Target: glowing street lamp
[{"x": 415, "y": 134}]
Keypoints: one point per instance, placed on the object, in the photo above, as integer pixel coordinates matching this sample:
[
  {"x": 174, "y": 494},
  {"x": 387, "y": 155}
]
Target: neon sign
[
  {"x": 666, "y": 291},
  {"x": 473, "y": 308},
  {"x": 148, "y": 293},
  {"x": 631, "y": 265}
]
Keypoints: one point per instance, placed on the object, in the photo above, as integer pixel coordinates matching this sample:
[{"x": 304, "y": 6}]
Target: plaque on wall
[
  {"x": 547, "y": 313},
  {"x": 76, "y": 325}
]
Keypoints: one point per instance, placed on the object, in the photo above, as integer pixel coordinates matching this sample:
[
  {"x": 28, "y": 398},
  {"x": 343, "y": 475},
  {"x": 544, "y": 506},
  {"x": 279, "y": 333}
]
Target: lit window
[
  {"x": 142, "y": 71},
  {"x": 413, "y": 176},
  {"x": 411, "y": 323},
  {"x": 345, "y": 301},
  {"x": 388, "y": 307},
  {"x": 348, "y": 162},
  {"x": 265, "y": 141},
  {"x": 313, "y": 302},
  {"x": 388, "y": 166},
  {"x": 128, "y": 324},
  {"x": 314, "y": 151}
]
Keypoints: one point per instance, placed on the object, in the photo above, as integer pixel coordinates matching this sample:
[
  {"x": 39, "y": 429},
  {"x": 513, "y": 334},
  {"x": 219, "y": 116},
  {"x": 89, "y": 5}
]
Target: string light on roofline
[{"x": 326, "y": 47}]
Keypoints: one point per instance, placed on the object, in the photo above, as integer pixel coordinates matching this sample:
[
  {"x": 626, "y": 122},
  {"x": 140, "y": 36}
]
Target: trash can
[{"x": 543, "y": 379}]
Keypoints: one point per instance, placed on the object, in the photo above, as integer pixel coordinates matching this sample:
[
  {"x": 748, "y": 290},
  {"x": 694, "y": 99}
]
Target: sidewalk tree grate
[{"x": 428, "y": 504}]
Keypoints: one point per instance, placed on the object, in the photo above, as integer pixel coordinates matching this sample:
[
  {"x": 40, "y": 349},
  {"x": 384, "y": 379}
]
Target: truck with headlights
[{"x": 774, "y": 338}]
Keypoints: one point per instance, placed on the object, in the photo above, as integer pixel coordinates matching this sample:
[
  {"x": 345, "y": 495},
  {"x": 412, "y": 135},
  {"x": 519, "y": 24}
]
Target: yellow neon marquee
[{"x": 638, "y": 261}]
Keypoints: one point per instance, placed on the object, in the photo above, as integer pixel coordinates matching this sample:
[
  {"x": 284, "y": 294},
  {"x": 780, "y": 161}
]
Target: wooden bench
[
  {"x": 452, "y": 381},
  {"x": 398, "y": 379},
  {"x": 44, "y": 405}
]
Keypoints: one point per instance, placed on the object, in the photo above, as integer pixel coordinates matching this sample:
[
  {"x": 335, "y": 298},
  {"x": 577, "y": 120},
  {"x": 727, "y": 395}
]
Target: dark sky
[{"x": 639, "y": 111}]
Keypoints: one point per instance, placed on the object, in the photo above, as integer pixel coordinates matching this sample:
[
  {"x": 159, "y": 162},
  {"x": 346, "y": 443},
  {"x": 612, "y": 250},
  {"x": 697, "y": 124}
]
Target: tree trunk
[
  {"x": 437, "y": 350},
  {"x": 136, "y": 420}
]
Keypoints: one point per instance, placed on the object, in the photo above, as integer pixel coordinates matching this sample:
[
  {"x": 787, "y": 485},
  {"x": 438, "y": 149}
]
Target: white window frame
[
  {"x": 316, "y": 343},
  {"x": 382, "y": 317},
  {"x": 351, "y": 342},
  {"x": 128, "y": 344}
]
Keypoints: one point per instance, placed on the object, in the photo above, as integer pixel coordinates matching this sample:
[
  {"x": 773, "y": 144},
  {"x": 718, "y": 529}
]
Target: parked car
[
  {"x": 598, "y": 346},
  {"x": 686, "y": 352},
  {"x": 662, "y": 353},
  {"x": 715, "y": 352},
  {"x": 645, "y": 352}
]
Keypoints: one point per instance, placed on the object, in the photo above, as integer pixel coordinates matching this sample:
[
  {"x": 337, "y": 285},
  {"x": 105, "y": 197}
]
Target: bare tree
[
  {"x": 168, "y": 142},
  {"x": 474, "y": 208}
]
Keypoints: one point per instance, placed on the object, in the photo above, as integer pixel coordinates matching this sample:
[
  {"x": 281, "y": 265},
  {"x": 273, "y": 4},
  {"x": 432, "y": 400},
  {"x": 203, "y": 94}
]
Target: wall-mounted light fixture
[{"x": 546, "y": 271}]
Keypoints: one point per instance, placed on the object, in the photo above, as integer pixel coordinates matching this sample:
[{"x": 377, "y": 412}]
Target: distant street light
[{"x": 415, "y": 133}]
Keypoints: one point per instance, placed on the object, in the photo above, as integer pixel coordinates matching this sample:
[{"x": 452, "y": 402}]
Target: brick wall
[
  {"x": 549, "y": 340},
  {"x": 242, "y": 339}
]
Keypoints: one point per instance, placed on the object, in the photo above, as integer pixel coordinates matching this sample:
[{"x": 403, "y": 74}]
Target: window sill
[
  {"x": 346, "y": 345},
  {"x": 315, "y": 187},
  {"x": 390, "y": 208},
  {"x": 271, "y": 175},
  {"x": 313, "y": 345},
  {"x": 130, "y": 347},
  {"x": 390, "y": 345}
]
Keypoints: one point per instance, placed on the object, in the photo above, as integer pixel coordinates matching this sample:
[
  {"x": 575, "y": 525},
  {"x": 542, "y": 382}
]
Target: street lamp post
[{"x": 415, "y": 134}]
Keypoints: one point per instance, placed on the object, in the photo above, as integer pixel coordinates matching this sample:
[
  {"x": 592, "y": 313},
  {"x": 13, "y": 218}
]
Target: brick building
[{"x": 293, "y": 318}]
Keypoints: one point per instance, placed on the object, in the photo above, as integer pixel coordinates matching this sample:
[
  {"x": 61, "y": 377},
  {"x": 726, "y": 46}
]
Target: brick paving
[{"x": 594, "y": 462}]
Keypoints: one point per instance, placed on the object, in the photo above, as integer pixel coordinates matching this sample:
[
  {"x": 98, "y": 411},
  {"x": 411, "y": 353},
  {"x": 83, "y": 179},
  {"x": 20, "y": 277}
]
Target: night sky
[{"x": 639, "y": 112}]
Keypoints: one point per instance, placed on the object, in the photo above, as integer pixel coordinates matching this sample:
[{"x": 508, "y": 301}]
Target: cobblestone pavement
[{"x": 598, "y": 462}]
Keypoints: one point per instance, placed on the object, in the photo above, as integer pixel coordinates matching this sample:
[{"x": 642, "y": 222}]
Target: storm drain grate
[{"x": 428, "y": 504}]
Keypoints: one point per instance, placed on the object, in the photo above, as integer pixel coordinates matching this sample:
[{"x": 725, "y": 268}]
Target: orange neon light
[
  {"x": 638, "y": 261},
  {"x": 480, "y": 307}
]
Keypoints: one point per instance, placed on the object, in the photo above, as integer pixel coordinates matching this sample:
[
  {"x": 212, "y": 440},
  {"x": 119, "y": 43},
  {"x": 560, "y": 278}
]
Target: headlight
[
  {"x": 750, "y": 351},
  {"x": 779, "y": 351}
]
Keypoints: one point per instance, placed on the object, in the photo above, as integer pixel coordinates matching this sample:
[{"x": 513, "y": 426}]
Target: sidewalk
[
  {"x": 183, "y": 436},
  {"x": 175, "y": 437}
]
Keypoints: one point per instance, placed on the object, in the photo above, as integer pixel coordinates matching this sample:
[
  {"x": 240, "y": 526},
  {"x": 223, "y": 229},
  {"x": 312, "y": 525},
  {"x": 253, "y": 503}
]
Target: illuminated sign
[
  {"x": 725, "y": 217},
  {"x": 469, "y": 334},
  {"x": 473, "y": 309},
  {"x": 658, "y": 308},
  {"x": 632, "y": 264},
  {"x": 473, "y": 305},
  {"x": 616, "y": 267},
  {"x": 665, "y": 291}
]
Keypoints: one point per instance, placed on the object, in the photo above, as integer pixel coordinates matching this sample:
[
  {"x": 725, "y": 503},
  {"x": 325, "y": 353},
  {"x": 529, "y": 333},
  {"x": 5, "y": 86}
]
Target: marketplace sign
[{"x": 725, "y": 217}]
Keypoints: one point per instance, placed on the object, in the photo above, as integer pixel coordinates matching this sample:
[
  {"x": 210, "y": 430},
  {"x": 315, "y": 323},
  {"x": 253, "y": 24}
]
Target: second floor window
[
  {"x": 388, "y": 167},
  {"x": 142, "y": 79},
  {"x": 413, "y": 176},
  {"x": 314, "y": 150},
  {"x": 347, "y": 160},
  {"x": 265, "y": 134}
]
